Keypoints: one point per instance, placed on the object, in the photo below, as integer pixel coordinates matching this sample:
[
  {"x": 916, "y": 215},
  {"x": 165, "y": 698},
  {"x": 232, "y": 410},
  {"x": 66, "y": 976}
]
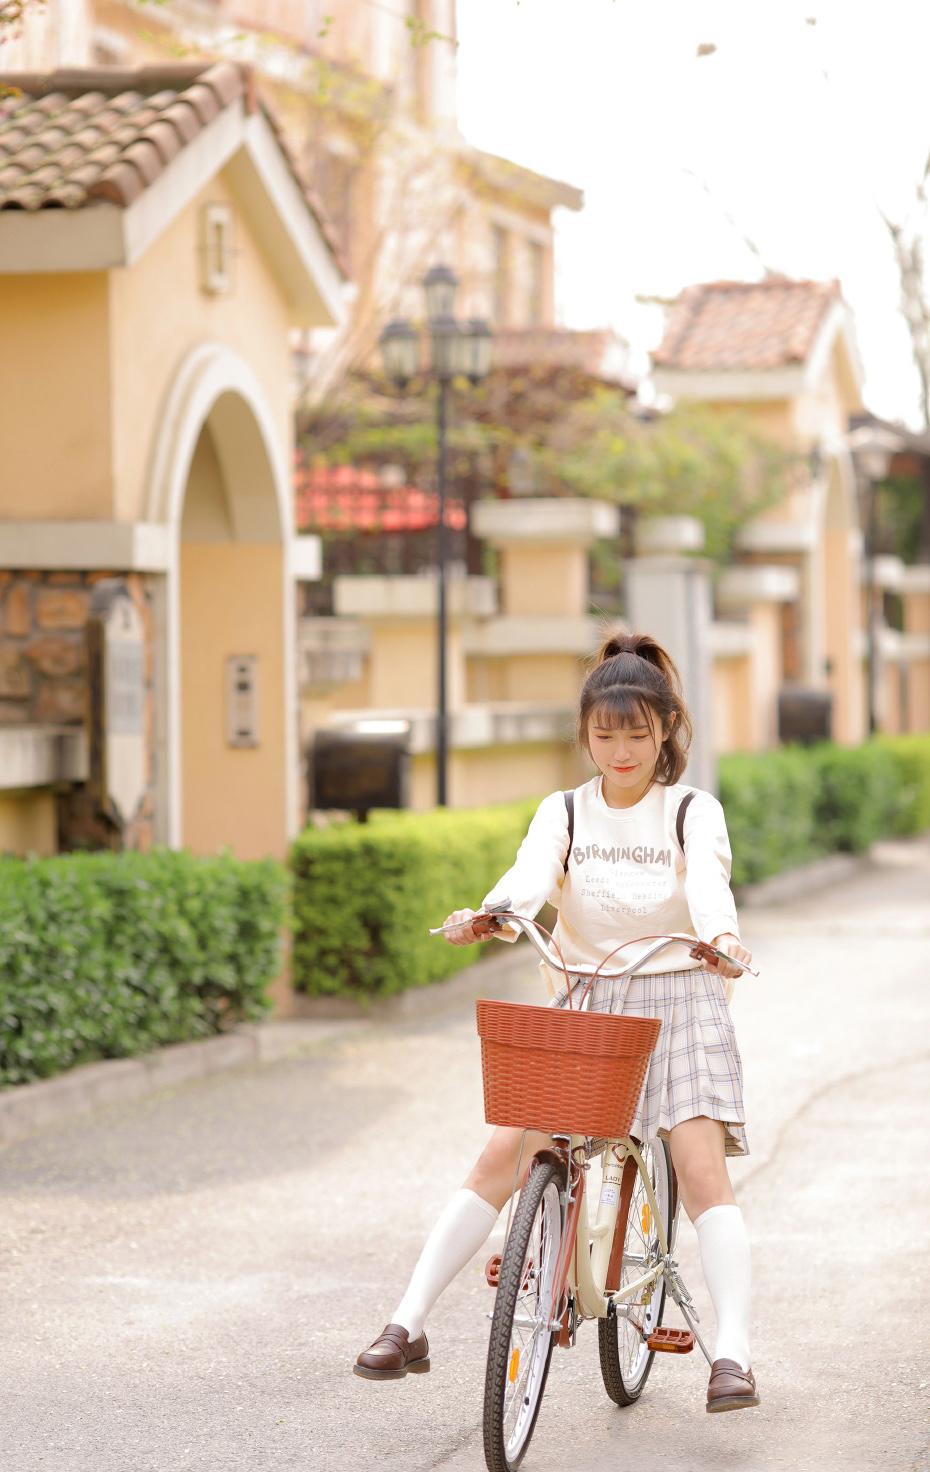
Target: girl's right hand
[{"x": 464, "y": 935}]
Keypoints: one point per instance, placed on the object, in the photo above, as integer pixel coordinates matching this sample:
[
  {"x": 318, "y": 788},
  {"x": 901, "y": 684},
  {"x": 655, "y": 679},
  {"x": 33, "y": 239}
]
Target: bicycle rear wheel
[
  {"x": 625, "y": 1356},
  {"x": 522, "y": 1339}
]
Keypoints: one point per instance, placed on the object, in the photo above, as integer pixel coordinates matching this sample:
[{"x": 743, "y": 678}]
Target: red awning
[{"x": 346, "y": 498}]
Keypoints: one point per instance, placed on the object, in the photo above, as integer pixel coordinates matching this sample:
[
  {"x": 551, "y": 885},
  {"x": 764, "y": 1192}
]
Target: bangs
[{"x": 622, "y": 705}]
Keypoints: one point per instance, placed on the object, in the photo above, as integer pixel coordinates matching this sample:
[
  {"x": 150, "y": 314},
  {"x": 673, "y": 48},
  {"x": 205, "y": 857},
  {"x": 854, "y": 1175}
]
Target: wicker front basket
[{"x": 563, "y": 1071}]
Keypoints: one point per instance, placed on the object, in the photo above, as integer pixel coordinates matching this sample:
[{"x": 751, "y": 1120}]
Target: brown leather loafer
[
  {"x": 393, "y": 1355},
  {"x": 730, "y": 1387}
]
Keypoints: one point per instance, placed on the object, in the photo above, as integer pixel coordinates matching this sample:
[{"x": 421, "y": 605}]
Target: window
[{"x": 216, "y": 249}]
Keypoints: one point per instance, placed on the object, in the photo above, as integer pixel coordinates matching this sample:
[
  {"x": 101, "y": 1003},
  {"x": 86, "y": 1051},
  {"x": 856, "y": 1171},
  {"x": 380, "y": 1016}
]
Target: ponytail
[{"x": 644, "y": 647}]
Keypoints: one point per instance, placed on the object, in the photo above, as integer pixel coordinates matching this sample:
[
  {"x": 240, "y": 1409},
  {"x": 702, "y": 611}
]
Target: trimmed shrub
[
  {"x": 858, "y": 793},
  {"x": 792, "y": 805},
  {"x": 109, "y": 955},
  {"x": 366, "y": 894},
  {"x": 911, "y": 756},
  {"x": 769, "y": 798}
]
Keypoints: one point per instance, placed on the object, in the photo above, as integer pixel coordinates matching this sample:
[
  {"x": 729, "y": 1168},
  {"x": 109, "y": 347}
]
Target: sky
[{"x": 795, "y": 135}]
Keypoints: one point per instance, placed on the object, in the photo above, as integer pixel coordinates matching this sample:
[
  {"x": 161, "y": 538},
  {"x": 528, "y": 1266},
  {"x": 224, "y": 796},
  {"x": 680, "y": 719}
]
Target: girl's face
[{"x": 626, "y": 756}]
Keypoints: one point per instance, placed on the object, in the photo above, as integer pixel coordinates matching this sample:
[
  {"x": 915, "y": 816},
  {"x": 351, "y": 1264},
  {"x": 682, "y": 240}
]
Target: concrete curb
[{"x": 92, "y": 1086}]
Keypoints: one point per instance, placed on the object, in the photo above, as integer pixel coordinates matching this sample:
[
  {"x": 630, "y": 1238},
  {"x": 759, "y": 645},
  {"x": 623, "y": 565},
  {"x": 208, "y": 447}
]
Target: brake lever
[
  {"x": 704, "y": 951},
  {"x": 480, "y": 915},
  {"x": 491, "y": 912}
]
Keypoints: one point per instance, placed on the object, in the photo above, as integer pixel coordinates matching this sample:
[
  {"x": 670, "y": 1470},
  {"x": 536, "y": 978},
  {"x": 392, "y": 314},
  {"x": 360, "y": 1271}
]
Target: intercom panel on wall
[{"x": 242, "y": 703}]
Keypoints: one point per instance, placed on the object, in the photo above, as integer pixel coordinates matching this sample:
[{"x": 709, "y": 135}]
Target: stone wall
[{"x": 45, "y": 680}]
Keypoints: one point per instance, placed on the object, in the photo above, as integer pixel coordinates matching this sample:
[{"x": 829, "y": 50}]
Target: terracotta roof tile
[
  {"x": 182, "y": 119},
  {"x": 203, "y": 101},
  {"x": 67, "y": 196},
  {"x": 744, "y": 325},
  {"x": 81, "y": 134},
  {"x": 164, "y": 139},
  {"x": 89, "y": 103},
  {"x": 120, "y": 183}
]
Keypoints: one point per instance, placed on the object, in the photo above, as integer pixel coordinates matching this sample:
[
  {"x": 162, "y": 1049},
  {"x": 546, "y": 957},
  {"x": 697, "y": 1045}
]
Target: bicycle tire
[
  {"x": 625, "y": 1360},
  {"x": 537, "y": 1220}
]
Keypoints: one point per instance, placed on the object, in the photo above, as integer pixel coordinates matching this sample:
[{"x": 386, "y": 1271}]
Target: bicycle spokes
[
  {"x": 531, "y": 1321},
  {"x": 522, "y": 1323}
]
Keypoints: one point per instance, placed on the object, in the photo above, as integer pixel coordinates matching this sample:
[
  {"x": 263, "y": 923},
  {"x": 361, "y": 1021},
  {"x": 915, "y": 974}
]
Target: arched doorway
[{"x": 229, "y": 713}]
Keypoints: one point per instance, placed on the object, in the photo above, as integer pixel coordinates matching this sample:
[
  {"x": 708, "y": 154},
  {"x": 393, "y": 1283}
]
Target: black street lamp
[{"x": 457, "y": 349}]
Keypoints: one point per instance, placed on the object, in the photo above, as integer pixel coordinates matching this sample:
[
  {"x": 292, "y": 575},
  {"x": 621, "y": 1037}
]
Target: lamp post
[
  {"x": 872, "y": 449},
  {"x": 457, "y": 349}
]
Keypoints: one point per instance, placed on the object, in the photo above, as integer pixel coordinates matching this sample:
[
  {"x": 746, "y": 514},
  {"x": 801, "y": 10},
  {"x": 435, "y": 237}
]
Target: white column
[{"x": 669, "y": 598}]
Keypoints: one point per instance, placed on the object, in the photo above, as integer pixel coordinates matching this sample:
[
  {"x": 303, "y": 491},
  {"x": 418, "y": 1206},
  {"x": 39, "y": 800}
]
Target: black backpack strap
[
  {"x": 680, "y": 820},
  {"x": 570, "y": 810}
]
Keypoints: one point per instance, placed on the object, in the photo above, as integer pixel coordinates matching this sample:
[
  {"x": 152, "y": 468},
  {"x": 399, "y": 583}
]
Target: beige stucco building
[
  {"x": 365, "y": 96},
  {"x": 167, "y": 498},
  {"x": 792, "y": 611},
  {"x": 156, "y": 250}
]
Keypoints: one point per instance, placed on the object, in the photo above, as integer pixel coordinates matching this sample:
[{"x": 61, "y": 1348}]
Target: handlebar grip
[{"x": 485, "y": 924}]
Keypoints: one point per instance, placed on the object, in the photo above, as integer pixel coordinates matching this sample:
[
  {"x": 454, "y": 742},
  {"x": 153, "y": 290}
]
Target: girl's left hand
[{"x": 733, "y": 947}]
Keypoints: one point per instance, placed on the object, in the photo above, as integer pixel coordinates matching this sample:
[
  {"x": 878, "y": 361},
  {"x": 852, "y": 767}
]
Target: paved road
[{"x": 185, "y": 1282}]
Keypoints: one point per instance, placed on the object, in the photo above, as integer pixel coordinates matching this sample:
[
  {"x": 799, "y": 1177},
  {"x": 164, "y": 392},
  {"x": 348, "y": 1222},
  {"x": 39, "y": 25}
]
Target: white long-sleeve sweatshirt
[{"x": 627, "y": 876}]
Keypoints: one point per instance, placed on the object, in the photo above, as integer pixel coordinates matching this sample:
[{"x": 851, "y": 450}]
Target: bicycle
[{"x": 559, "y": 1268}]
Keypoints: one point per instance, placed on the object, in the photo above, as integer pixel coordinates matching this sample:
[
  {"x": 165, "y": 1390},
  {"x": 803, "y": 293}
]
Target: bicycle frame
[{"x": 588, "y": 1253}]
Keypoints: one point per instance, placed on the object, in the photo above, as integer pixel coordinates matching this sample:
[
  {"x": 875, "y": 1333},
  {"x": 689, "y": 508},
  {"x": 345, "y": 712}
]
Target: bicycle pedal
[
  {"x": 671, "y": 1341},
  {"x": 492, "y": 1272}
]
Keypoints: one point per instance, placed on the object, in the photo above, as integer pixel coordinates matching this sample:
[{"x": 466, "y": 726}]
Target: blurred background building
[{"x": 218, "y": 528}]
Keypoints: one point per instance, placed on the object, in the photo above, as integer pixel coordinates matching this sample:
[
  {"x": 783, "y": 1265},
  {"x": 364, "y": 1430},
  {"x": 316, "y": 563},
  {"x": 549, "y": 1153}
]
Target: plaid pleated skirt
[{"x": 696, "y": 1066}]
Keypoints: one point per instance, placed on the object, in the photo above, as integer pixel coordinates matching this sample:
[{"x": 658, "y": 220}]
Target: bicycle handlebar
[{"x": 486, "y": 922}]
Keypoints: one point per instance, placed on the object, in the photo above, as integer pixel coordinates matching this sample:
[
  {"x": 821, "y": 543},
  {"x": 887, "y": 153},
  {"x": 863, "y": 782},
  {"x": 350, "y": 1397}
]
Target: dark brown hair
[{"x": 633, "y": 673}]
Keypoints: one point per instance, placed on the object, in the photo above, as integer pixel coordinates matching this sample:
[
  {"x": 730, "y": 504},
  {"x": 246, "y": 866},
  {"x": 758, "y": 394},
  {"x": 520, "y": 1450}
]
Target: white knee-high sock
[
  {"x": 463, "y": 1225},
  {"x": 724, "y": 1244}
]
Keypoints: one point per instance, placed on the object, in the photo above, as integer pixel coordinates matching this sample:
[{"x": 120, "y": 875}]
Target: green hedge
[
  {"x": 789, "y": 806},
  {"x": 911, "y": 755},
  {"x": 366, "y": 894},
  {"x": 770, "y": 802},
  {"x": 109, "y": 955}
]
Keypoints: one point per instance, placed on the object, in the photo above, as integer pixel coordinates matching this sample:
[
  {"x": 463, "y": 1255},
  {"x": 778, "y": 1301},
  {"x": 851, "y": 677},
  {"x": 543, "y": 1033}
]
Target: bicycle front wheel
[
  {"x": 522, "y": 1337},
  {"x": 625, "y": 1356}
]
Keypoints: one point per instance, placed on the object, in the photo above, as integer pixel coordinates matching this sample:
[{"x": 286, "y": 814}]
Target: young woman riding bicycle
[{"x": 621, "y": 874}]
